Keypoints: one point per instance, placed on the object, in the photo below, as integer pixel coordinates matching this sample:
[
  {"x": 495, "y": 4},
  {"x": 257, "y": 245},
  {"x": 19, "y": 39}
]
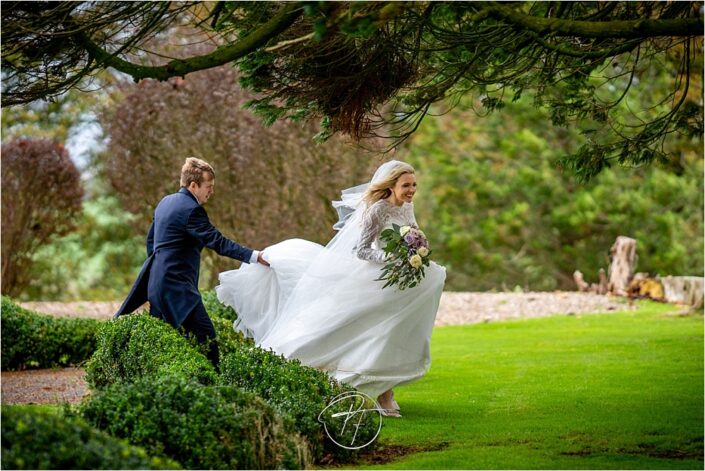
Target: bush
[
  {"x": 229, "y": 340},
  {"x": 138, "y": 345},
  {"x": 38, "y": 439},
  {"x": 41, "y": 197},
  {"x": 201, "y": 427},
  {"x": 223, "y": 317},
  {"x": 216, "y": 309},
  {"x": 299, "y": 391},
  {"x": 32, "y": 340}
]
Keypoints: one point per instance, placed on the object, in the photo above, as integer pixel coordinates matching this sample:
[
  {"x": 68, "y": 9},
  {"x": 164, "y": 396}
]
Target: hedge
[
  {"x": 201, "y": 427},
  {"x": 298, "y": 391},
  {"x": 138, "y": 345},
  {"x": 215, "y": 308},
  {"x": 32, "y": 340},
  {"x": 39, "y": 439}
]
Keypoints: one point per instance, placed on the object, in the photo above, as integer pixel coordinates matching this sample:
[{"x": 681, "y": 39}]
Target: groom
[{"x": 169, "y": 276}]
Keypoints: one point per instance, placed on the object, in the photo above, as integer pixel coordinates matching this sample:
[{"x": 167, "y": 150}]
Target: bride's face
[{"x": 405, "y": 188}]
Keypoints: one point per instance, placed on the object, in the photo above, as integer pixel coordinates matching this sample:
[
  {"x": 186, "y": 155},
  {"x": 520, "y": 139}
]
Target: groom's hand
[{"x": 260, "y": 259}]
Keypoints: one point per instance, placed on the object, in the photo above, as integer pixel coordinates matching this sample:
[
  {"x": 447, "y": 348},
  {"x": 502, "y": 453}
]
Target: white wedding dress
[{"x": 323, "y": 306}]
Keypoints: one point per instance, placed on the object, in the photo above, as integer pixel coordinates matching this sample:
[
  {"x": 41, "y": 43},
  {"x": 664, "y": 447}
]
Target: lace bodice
[{"x": 378, "y": 217}]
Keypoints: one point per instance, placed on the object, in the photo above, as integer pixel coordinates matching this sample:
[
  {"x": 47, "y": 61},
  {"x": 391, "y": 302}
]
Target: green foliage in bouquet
[
  {"x": 40, "y": 439},
  {"x": 201, "y": 427},
  {"x": 32, "y": 340},
  {"x": 139, "y": 345},
  {"x": 407, "y": 255}
]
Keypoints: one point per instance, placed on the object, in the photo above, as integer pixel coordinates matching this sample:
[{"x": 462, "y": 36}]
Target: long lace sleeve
[
  {"x": 410, "y": 215},
  {"x": 372, "y": 224}
]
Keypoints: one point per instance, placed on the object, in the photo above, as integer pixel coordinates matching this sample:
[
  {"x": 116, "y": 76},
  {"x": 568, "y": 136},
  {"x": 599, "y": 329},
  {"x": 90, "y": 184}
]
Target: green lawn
[{"x": 621, "y": 390}]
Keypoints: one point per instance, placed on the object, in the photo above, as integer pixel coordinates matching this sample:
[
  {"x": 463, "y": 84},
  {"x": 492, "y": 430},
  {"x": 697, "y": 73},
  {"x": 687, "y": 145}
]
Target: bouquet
[{"x": 407, "y": 255}]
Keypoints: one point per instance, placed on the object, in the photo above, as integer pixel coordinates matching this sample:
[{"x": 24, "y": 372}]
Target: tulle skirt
[{"x": 327, "y": 310}]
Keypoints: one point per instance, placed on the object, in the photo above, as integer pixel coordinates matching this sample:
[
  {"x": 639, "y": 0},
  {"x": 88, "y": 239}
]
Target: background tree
[
  {"x": 41, "y": 195},
  {"x": 500, "y": 214},
  {"x": 57, "y": 120},
  {"x": 367, "y": 68},
  {"x": 271, "y": 183},
  {"x": 94, "y": 262}
]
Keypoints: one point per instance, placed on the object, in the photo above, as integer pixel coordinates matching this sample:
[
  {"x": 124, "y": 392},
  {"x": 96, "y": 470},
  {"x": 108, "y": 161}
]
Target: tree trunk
[
  {"x": 683, "y": 290},
  {"x": 623, "y": 254}
]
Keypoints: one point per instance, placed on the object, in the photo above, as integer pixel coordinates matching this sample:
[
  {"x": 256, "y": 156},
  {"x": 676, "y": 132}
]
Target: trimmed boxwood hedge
[
  {"x": 137, "y": 345},
  {"x": 228, "y": 339},
  {"x": 33, "y": 340},
  {"x": 298, "y": 391},
  {"x": 202, "y": 427},
  {"x": 215, "y": 308},
  {"x": 139, "y": 348},
  {"x": 40, "y": 439}
]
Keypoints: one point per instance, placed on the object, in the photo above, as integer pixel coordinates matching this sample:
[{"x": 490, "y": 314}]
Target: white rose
[
  {"x": 423, "y": 251},
  {"x": 404, "y": 229},
  {"x": 415, "y": 261}
]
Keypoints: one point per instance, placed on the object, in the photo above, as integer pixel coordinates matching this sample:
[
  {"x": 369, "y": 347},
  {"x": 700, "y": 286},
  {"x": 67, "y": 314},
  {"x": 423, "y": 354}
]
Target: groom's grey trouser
[{"x": 199, "y": 324}]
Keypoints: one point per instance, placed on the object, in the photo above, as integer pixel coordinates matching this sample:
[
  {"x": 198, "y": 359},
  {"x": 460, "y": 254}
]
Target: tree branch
[
  {"x": 626, "y": 29},
  {"x": 180, "y": 67}
]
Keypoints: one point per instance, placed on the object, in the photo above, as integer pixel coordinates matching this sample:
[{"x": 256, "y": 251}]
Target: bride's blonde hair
[{"x": 383, "y": 188}]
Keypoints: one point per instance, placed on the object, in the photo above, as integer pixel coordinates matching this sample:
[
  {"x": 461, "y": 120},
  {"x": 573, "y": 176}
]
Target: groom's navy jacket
[{"x": 169, "y": 276}]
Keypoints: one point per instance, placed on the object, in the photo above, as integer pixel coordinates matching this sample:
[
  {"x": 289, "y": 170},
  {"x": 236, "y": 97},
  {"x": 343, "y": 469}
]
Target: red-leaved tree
[
  {"x": 41, "y": 197},
  {"x": 272, "y": 183}
]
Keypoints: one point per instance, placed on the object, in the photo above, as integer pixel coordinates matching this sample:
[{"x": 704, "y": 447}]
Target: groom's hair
[{"x": 193, "y": 171}]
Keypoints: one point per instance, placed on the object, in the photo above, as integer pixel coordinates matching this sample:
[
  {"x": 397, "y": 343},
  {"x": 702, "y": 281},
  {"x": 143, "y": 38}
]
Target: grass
[{"x": 599, "y": 391}]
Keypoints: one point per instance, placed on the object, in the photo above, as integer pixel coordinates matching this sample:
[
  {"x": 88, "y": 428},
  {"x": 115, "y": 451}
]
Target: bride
[{"x": 323, "y": 305}]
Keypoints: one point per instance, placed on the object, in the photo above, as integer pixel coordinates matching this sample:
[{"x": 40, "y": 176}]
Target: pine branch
[
  {"x": 180, "y": 67},
  {"x": 614, "y": 29}
]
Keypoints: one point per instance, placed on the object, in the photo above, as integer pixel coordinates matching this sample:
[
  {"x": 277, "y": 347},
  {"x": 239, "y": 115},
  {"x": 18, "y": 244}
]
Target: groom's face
[{"x": 205, "y": 190}]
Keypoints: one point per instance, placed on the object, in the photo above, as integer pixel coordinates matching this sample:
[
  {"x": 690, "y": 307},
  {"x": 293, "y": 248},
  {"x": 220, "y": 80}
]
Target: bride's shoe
[
  {"x": 389, "y": 412},
  {"x": 387, "y": 406},
  {"x": 395, "y": 406}
]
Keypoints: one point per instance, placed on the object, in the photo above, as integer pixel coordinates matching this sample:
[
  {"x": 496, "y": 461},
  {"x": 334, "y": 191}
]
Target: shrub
[
  {"x": 223, "y": 317},
  {"x": 32, "y": 340},
  {"x": 41, "y": 196},
  {"x": 229, "y": 340},
  {"x": 296, "y": 390},
  {"x": 216, "y": 309},
  {"x": 138, "y": 345},
  {"x": 39, "y": 439},
  {"x": 202, "y": 427}
]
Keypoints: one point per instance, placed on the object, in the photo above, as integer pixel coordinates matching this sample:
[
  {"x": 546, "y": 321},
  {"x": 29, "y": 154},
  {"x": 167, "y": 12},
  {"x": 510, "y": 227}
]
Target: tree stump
[
  {"x": 602, "y": 286},
  {"x": 623, "y": 255},
  {"x": 683, "y": 290},
  {"x": 580, "y": 281}
]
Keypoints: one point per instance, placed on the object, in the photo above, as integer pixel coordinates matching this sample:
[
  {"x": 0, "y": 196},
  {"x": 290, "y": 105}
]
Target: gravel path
[
  {"x": 68, "y": 384},
  {"x": 472, "y": 308},
  {"x": 456, "y": 307},
  {"x": 52, "y": 386}
]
